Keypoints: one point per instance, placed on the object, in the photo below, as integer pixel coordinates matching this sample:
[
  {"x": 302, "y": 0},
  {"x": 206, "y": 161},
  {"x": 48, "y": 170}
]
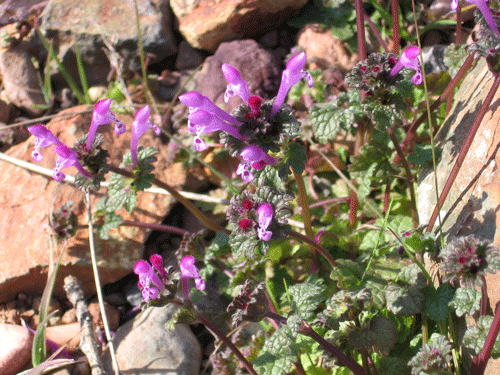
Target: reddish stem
[
  {"x": 360, "y": 29},
  {"x": 396, "y": 35},
  {"x": 480, "y": 361},
  {"x": 463, "y": 152},
  {"x": 158, "y": 227}
]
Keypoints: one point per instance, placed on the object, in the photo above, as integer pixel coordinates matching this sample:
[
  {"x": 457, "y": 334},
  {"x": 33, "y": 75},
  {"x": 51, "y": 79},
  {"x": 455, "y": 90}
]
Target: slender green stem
[
  {"x": 185, "y": 202},
  {"x": 317, "y": 246},
  {"x": 222, "y": 337},
  {"x": 463, "y": 151},
  {"x": 409, "y": 178},
  {"x": 303, "y": 202},
  {"x": 98, "y": 288}
]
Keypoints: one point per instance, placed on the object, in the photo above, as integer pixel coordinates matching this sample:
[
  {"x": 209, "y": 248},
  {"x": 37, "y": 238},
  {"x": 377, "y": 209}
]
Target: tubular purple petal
[
  {"x": 237, "y": 86},
  {"x": 485, "y": 10},
  {"x": 410, "y": 59},
  {"x": 195, "y": 101},
  {"x": 149, "y": 281},
  {"x": 43, "y": 138},
  {"x": 189, "y": 270},
  {"x": 291, "y": 75},
  {"x": 67, "y": 158},
  {"x": 140, "y": 126},
  {"x": 101, "y": 116},
  {"x": 209, "y": 122}
]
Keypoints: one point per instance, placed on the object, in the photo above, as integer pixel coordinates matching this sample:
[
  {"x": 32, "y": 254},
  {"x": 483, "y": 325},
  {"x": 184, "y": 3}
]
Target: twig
[
  {"x": 317, "y": 246},
  {"x": 88, "y": 343},
  {"x": 98, "y": 288}
]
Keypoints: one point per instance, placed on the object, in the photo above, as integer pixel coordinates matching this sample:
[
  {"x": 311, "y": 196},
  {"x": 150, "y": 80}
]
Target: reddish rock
[
  {"x": 15, "y": 348},
  {"x": 67, "y": 335},
  {"x": 207, "y": 23},
  {"x": 26, "y": 199},
  {"x": 111, "y": 313},
  {"x": 326, "y": 48}
]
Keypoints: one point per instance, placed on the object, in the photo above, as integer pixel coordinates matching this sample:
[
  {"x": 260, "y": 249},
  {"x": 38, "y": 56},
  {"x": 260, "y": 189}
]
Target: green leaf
[
  {"x": 282, "y": 342},
  {"x": 392, "y": 366},
  {"x": 121, "y": 193},
  {"x": 111, "y": 220},
  {"x": 422, "y": 153},
  {"x": 268, "y": 364},
  {"x": 305, "y": 299},
  {"x": 475, "y": 336},
  {"x": 347, "y": 273},
  {"x": 436, "y": 301},
  {"x": 380, "y": 336},
  {"x": 243, "y": 247},
  {"x": 413, "y": 275},
  {"x": 466, "y": 301},
  {"x": 404, "y": 300},
  {"x": 296, "y": 157}
]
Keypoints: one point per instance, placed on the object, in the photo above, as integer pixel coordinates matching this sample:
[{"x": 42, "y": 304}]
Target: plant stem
[
  {"x": 480, "y": 361},
  {"x": 98, "y": 288},
  {"x": 458, "y": 32},
  {"x": 396, "y": 35},
  {"x": 360, "y": 30},
  {"x": 463, "y": 151},
  {"x": 409, "y": 178},
  {"x": 222, "y": 337},
  {"x": 158, "y": 227},
  {"x": 304, "y": 204},
  {"x": 185, "y": 202},
  {"x": 307, "y": 330},
  {"x": 317, "y": 246},
  {"x": 375, "y": 31},
  {"x": 484, "y": 297}
]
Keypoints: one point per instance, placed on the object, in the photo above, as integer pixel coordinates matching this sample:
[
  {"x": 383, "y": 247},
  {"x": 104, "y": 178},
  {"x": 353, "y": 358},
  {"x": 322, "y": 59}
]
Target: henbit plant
[{"x": 372, "y": 307}]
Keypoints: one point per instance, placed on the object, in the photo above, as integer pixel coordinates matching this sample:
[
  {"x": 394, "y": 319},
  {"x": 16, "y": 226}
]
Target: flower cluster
[
  {"x": 468, "y": 259},
  {"x": 379, "y": 73},
  {"x": 86, "y": 154},
  {"x": 482, "y": 5},
  {"x": 154, "y": 281},
  {"x": 254, "y": 215},
  {"x": 255, "y": 128},
  {"x": 433, "y": 357},
  {"x": 250, "y": 304}
]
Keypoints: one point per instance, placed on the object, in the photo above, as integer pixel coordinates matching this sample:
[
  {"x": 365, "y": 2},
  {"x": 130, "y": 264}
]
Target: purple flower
[
  {"x": 291, "y": 75},
  {"x": 265, "y": 214},
  {"x": 409, "y": 59},
  {"x": 189, "y": 270},
  {"x": 201, "y": 121},
  {"x": 43, "y": 138},
  {"x": 102, "y": 115},
  {"x": 237, "y": 86},
  {"x": 140, "y": 126},
  {"x": 195, "y": 101},
  {"x": 483, "y": 8},
  {"x": 66, "y": 157},
  {"x": 253, "y": 156},
  {"x": 151, "y": 279}
]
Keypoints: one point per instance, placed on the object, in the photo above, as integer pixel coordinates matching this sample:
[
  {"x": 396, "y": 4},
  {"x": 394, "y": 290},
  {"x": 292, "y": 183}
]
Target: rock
[
  {"x": 26, "y": 199},
  {"x": 87, "y": 22},
  {"x": 67, "y": 335},
  {"x": 434, "y": 59},
  {"x": 472, "y": 206},
  {"x": 15, "y": 10},
  {"x": 20, "y": 80},
  {"x": 145, "y": 346},
  {"x": 257, "y": 66},
  {"x": 15, "y": 348},
  {"x": 188, "y": 57},
  {"x": 326, "y": 48},
  {"x": 111, "y": 313},
  {"x": 205, "y": 24}
]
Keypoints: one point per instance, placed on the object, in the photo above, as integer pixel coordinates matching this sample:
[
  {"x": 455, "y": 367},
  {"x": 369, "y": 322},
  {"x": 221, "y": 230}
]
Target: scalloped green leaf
[
  {"x": 466, "y": 301},
  {"x": 241, "y": 246},
  {"x": 305, "y": 298},
  {"x": 436, "y": 301},
  {"x": 475, "y": 336},
  {"x": 268, "y": 364},
  {"x": 404, "y": 300}
]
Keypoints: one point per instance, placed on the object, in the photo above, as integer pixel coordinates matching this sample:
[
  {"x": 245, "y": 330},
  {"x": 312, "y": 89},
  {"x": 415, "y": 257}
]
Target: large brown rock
[
  {"x": 473, "y": 204},
  {"x": 26, "y": 198},
  {"x": 207, "y": 23},
  {"x": 87, "y": 22}
]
